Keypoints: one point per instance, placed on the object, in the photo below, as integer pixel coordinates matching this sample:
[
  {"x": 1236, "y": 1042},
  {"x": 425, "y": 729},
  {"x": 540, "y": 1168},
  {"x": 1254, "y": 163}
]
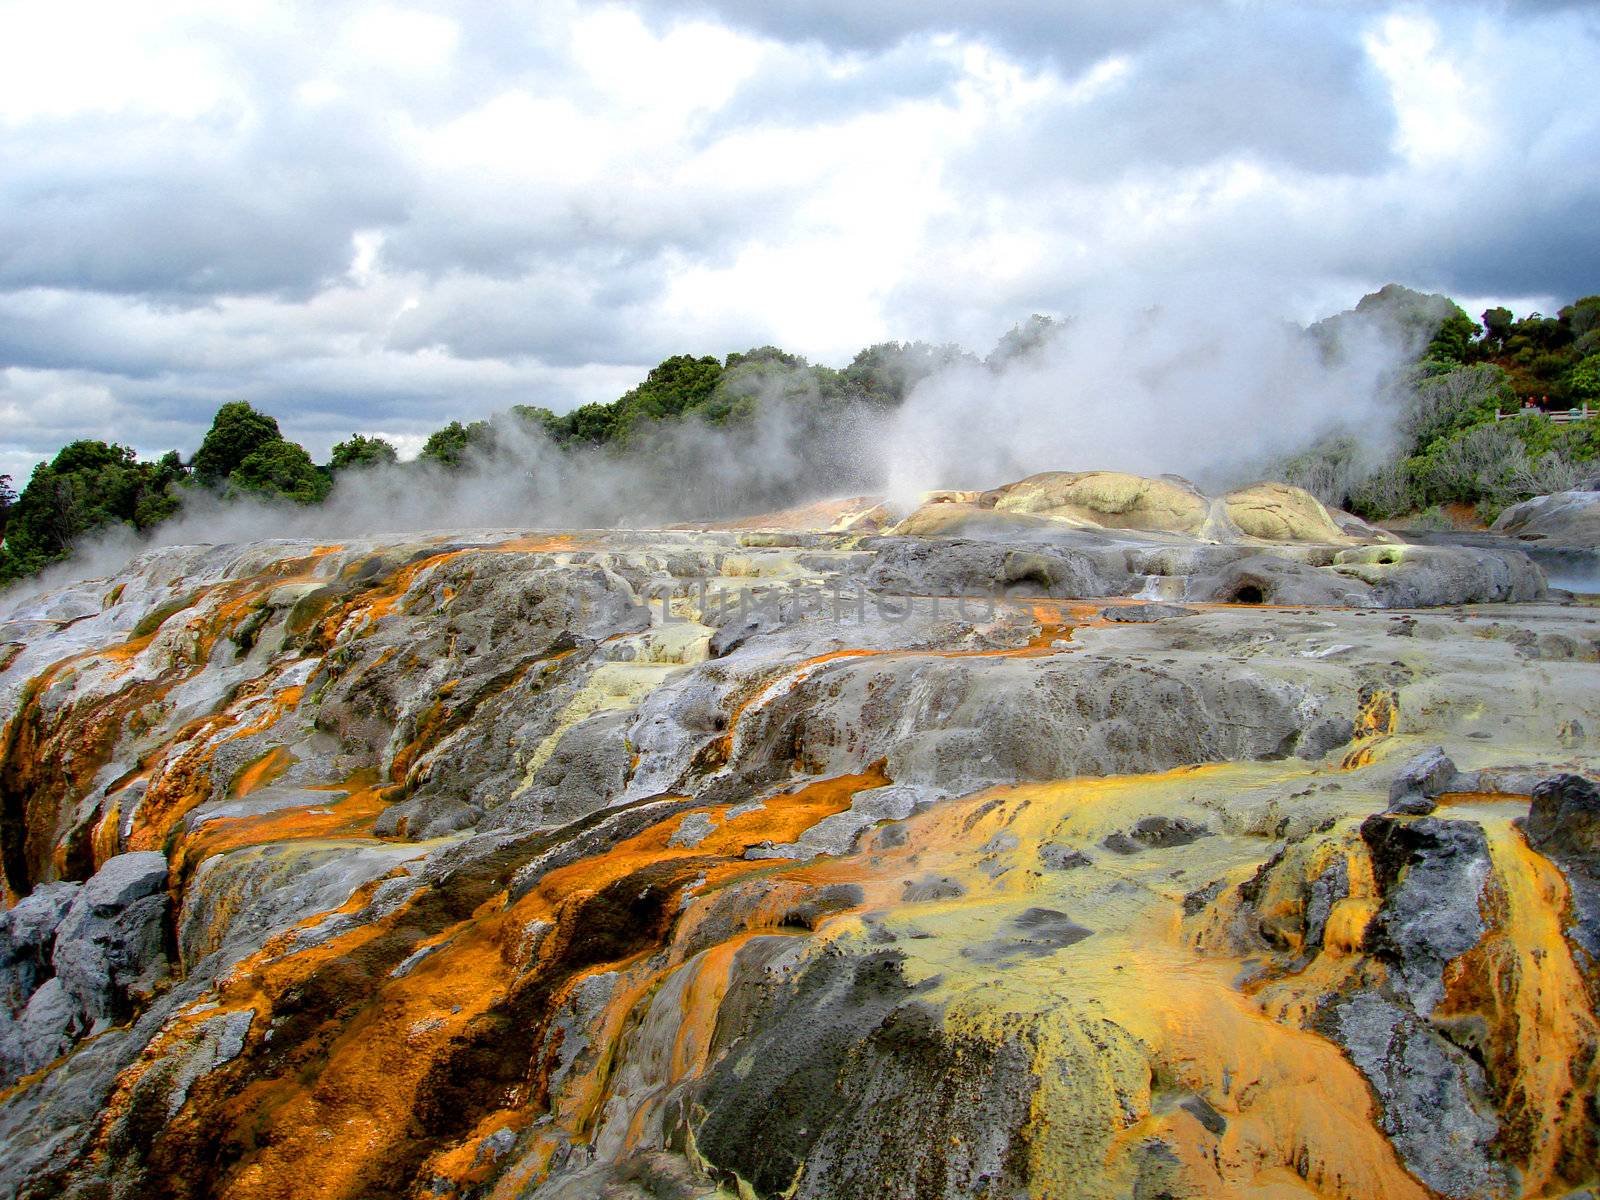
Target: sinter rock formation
[{"x": 1084, "y": 837}]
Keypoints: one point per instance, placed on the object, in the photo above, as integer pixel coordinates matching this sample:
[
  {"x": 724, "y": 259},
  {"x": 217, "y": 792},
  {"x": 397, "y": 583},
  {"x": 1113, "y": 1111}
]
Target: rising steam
[{"x": 1205, "y": 391}]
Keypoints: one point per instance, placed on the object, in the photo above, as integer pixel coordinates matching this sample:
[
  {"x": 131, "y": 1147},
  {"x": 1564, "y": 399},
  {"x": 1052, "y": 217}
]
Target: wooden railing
[{"x": 1559, "y": 418}]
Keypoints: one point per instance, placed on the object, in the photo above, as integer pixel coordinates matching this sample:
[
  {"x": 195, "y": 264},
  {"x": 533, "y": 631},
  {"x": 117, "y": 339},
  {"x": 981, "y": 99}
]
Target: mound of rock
[
  {"x": 1108, "y": 499},
  {"x": 1563, "y": 518},
  {"x": 1277, "y": 512},
  {"x": 77, "y": 959},
  {"x": 1116, "y": 500},
  {"x": 1090, "y": 837}
]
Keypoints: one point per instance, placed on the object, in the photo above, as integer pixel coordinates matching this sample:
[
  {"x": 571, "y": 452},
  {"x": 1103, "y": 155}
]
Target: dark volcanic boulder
[
  {"x": 110, "y": 946},
  {"x": 27, "y": 934},
  {"x": 1430, "y": 873},
  {"x": 1416, "y": 785},
  {"x": 1564, "y": 818},
  {"x": 1563, "y": 824}
]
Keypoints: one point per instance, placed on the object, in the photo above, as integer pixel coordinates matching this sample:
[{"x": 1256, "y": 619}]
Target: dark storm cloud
[{"x": 1526, "y": 249}]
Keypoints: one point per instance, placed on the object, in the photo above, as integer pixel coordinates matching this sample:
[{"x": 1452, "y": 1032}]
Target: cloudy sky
[{"x": 379, "y": 217}]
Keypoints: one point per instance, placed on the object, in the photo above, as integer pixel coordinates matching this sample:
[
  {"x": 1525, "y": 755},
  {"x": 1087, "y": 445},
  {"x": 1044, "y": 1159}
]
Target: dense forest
[{"x": 1468, "y": 405}]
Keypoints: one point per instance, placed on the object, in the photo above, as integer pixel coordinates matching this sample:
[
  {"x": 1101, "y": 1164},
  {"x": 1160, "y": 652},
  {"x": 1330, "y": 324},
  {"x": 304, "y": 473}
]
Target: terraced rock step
[{"x": 527, "y": 864}]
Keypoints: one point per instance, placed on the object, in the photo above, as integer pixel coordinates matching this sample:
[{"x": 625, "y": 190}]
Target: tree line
[
  {"x": 91, "y": 484},
  {"x": 1463, "y": 376},
  {"x": 1471, "y": 411}
]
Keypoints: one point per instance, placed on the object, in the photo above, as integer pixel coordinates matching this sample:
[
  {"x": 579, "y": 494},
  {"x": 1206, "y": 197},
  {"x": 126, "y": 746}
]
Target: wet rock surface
[
  {"x": 748, "y": 863},
  {"x": 1563, "y": 823}
]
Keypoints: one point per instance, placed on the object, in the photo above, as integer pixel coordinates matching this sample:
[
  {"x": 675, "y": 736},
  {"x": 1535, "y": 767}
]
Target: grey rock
[
  {"x": 694, "y": 829},
  {"x": 1046, "y": 929},
  {"x": 1267, "y": 579},
  {"x": 1564, "y": 817},
  {"x": 27, "y": 934},
  {"x": 937, "y": 567},
  {"x": 586, "y": 771},
  {"x": 1435, "y": 1103},
  {"x": 235, "y": 901},
  {"x": 1330, "y": 887},
  {"x": 210, "y": 1044},
  {"x": 423, "y": 817},
  {"x": 43, "y": 1031},
  {"x": 1201, "y": 1110},
  {"x": 1569, "y": 518},
  {"x": 933, "y": 887},
  {"x": 124, "y": 879},
  {"x": 837, "y": 834},
  {"x": 1430, "y": 774},
  {"x": 821, "y": 1055},
  {"x": 1430, "y": 873},
  {"x": 949, "y": 726},
  {"x": 1428, "y": 576},
  {"x": 1563, "y": 823},
  {"x": 48, "y": 1026},
  {"x": 574, "y": 1022},
  {"x": 843, "y": 1069},
  {"x": 1156, "y": 833},
  {"x": 110, "y": 946},
  {"x": 1412, "y": 804},
  {"x": 822, "y": 903},
  {"x": 1063, "y": 858},
  {"x": 1141, "y": 614}
]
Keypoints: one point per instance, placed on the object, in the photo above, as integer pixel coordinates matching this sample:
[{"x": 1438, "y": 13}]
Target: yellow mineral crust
[
  {"x": 1280, "y": 513},
  {"x": 1166, "y": 1012}
]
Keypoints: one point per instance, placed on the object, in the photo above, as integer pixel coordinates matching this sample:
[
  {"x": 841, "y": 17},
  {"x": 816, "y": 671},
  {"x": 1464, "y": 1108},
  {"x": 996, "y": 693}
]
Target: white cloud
[
  {"x": 1433, "y": 102},
  {"x": 384, "y": 216},
  {"x": 67, "y": 58},
  {"x": 401, "y": 40}
]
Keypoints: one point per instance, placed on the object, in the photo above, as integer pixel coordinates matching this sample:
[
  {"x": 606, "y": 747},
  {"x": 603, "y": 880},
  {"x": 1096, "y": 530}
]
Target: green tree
[
  {"x": 449, "y": 447},
  {"x": 1454, "y": 338},
  {"x": 674, "y": 387},
  {"x": 1583, "y": 381},
  {"x": 532, "y": 418},
  {"x": 1023, "y": 340},
  {"x": 1415, "y": 315},
  {"x": 88, "y": 485},
  {"x": 361, "y": 451},
  {"x": 1582, "y": 316},
  {"x": 1536, "y": 332},
  {"x": 764, "y": 355},
  {"x": 280, "y": 469},
  {"x": 1497, "y": 324},
  {"x": 171, "y": 467},
  {"x": 885, "y": 373},
  {"x": 761, "y": 376},
  {"x": 237, "y": 432},
  {"x": 591, "y": 424},
  {"x": 1440, "y": 404}
]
